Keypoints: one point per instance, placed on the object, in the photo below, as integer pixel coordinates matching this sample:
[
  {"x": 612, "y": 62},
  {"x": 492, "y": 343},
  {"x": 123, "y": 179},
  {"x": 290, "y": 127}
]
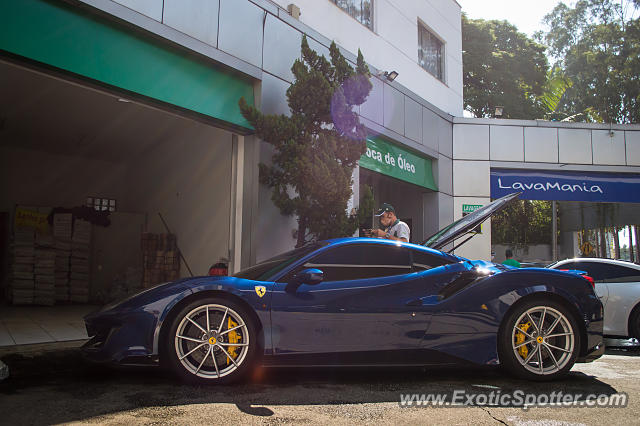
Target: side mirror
[{"x": 309, "y": 276}]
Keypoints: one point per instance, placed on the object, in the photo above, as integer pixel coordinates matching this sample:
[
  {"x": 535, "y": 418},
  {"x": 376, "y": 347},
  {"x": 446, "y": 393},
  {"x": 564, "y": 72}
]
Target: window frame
[
  {"x": 309, "y": 263},
  {"x": 371, "y": 18},
  {"x": 421, "y": 267},
  {"x": 424, "y": 27}
]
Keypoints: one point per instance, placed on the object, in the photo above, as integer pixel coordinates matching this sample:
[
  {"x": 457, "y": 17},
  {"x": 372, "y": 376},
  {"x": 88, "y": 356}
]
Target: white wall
[
  {"x": 150, "y": 8},
  {"x": 187, "y": 178},
  {"x": 38, "y": 178},
  {"x": 393, "y": 45}
]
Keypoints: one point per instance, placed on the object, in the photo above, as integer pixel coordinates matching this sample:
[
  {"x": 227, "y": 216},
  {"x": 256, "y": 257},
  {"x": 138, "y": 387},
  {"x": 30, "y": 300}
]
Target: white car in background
[{"x": 617, "y": 284}]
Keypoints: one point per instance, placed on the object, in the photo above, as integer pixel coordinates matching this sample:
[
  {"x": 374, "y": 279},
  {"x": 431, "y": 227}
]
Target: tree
[
  {"x": 597, "y": 44},
  {"x": 501, "y": 66},
  {"x": 522, "y": 222},
  {"x": 318, "y": 146}
]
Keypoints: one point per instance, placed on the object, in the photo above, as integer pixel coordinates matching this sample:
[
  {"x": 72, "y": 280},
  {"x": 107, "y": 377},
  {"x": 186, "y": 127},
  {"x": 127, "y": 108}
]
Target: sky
[{"x": 526, "y": 15}]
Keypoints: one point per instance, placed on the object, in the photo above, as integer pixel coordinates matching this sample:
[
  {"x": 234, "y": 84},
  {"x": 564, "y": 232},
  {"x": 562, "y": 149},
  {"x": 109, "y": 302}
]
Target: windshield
[
  {"x": 440, "y": 233},
  {"x": 269, "y": 267}
]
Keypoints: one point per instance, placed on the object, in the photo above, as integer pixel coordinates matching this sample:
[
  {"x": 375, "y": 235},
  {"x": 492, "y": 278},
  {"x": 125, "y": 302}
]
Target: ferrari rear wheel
[
  {"x": 539, "y": 341},
  {"x": 211, "y": 341}
]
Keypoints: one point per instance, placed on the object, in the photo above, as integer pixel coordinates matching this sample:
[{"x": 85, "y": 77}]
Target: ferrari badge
[{"x": 260, "y": 290}]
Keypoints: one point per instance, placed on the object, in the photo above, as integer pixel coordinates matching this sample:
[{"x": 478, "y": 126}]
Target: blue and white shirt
[{"x": 399, "y": 230}]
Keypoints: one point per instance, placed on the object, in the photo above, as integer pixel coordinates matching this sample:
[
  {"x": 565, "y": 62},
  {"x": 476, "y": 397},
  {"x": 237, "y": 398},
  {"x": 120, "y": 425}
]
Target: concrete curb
[{"x": 40, "y": 347}]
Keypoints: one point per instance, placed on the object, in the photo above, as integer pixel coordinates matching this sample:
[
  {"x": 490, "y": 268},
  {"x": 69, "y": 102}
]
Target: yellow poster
[{"x": 26, "y": 218}]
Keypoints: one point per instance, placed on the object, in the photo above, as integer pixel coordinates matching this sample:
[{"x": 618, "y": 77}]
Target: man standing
[
  {"x": 394, "y": 228},
  {"x": 510, "y": 261}
]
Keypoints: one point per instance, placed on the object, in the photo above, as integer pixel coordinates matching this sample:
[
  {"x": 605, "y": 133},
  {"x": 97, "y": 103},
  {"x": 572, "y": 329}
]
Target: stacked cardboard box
[
  {"x": 22, "y": 267},
  {"x": 79, "y": 264},
  {"x": 45, "y": 262},
  {"x": 161, "y": 261},
  {"x": 125, "y": 284},
  {"x": 62, "y": 232}
]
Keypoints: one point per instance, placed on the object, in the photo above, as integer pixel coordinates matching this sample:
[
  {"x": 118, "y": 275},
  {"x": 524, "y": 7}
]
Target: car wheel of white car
[
  {"x": 211, "y": 340},
  {"x": 634, "y": 323},
  {"x": 539, "y": 340}
]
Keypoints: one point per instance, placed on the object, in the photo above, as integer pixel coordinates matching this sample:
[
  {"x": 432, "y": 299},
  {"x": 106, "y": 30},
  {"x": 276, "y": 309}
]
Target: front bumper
[{"x": 125, "y": 338}]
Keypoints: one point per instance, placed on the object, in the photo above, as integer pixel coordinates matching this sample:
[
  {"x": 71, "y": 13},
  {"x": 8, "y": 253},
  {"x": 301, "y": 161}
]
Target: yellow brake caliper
[
  {"x": 520, "y": 338},
  {"x": 234, "y": 337}
]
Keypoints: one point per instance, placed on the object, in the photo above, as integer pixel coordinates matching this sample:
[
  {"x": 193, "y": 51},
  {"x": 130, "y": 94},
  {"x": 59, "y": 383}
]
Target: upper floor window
[
  {"x": 430, "y": 53},
  {"x": 360, "y": 10}
]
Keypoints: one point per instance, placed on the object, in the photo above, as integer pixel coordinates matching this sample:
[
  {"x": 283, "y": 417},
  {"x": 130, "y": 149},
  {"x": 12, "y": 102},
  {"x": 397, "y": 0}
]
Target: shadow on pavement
[
  {"x": 66, "y": 388},
  {"x": 623, "y": 352}
]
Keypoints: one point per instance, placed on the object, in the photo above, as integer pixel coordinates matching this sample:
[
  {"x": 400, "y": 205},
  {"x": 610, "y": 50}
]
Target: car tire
[
  {"x": 205, "y": 354},
  {"x": 528, "y": 354},
  {"x": 634, "y": 323}
]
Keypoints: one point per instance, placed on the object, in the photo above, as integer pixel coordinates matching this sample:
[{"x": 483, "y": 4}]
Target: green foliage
[
  {"x": 554, "y": 89},
  {"x": 501, "y": 67},
  {"x": 522, "y": 222},
  {"x": 318, "y": 146},
  {"x": 598, "y": 47},
  {"x": 365, "y": 212}
]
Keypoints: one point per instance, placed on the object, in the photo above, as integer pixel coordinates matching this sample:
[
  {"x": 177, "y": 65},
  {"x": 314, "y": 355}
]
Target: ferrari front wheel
[
  {"x": 539, "y": 340},
  {"x": 211, "y": 340}
]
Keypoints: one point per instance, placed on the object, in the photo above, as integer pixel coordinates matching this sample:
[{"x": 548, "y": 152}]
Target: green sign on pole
[
  {"x": 470, "y": 208},
  {"x": 391, "y": 160}
]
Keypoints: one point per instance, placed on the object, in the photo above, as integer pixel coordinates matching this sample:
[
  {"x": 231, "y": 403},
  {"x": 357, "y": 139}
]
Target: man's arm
[{"x": 381, "y": 234}]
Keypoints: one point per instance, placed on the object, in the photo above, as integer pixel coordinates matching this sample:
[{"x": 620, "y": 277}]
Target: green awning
[{"x": 73, "y": 39}]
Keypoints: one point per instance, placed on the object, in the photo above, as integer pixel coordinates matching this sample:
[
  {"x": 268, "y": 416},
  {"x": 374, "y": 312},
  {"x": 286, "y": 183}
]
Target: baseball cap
[{"x": 385, "y": 207}]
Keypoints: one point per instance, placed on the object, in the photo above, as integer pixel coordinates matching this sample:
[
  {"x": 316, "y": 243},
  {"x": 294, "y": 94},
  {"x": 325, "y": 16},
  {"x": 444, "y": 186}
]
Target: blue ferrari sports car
[{"x": 359, "y": 302}]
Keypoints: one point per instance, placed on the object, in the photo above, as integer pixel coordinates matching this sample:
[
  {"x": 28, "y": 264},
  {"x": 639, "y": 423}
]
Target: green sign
[
  {"x": 68, "y": 37},
  {"x": 391, "y": 160},
  {"x": 470, "y": 208}
]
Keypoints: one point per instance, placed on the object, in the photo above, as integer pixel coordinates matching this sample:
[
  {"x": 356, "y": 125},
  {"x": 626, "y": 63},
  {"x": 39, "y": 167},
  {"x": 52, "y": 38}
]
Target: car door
[
  {"x": 623, "y": 286},
  {"x": 365, "y": 304}
]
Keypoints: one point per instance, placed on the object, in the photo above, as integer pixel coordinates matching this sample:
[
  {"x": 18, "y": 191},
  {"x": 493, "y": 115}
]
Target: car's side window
[
  {"x": 591, "y": 268},
  {"x": 421, "y": 261},
  {"x": 358, "y": 261},
  {"x": 620, "y": 274},
  {"x": 604, "y": 272}
]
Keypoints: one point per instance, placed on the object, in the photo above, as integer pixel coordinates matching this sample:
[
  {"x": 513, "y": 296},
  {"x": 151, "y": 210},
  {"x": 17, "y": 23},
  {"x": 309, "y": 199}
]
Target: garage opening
[{"x": 110, "y": 167}]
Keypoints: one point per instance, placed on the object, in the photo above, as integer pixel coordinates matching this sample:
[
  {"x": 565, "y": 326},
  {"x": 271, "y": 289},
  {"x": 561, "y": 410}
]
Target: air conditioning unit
[{"x": 294, "y": 11}]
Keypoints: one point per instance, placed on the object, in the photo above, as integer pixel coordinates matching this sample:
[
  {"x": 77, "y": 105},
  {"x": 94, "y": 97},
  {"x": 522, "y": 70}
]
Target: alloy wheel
[
  {"x": 211, "y": 341},
  {"x": 543, "y": 340}
]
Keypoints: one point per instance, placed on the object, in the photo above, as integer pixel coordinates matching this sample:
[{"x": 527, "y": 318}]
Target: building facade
[
  {"x": 587, "y": 168},
  {"x": 135, "y": 104}
]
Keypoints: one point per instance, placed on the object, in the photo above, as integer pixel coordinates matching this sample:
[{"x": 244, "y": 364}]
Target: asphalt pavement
[{"x": 55, "y": 385}]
